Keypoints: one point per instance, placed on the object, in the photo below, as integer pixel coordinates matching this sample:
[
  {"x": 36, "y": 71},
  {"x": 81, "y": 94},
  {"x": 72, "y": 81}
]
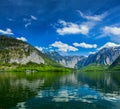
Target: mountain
[
  {"x": 116, "y": 64},
  {"x": 16, "y": 51},
  {"x": 67, "y": 61},
  {"x": 105, "y": 56}
]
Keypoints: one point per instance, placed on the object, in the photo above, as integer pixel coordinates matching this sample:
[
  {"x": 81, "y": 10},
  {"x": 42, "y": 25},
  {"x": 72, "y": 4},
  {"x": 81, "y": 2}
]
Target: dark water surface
[{"x": 91, "y": 90}]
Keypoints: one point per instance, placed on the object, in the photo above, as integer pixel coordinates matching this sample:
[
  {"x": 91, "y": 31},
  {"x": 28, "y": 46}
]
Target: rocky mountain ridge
[
  {"x": 67, "y": 61},
  {"x": 20, "y": 52},
  {"x": 105, "y": 56}
]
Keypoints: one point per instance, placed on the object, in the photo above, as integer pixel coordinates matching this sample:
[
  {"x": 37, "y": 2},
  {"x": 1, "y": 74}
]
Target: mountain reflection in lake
[{"x": 88, "y": 90}]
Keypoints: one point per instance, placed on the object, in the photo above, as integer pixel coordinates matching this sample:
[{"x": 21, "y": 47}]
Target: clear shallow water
[{"x": 91, "y": 90}]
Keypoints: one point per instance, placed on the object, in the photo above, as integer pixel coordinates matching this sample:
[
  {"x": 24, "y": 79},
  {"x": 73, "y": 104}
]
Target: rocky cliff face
[
  {"x": 33, "y": 57},
  {"x": 116, "y": 64},
  {"x": 16, "y": 51},
  {"x": 67, "y": 61},
  {"x": 105, "y": 56},
  {"x": 70, "y": 61}
]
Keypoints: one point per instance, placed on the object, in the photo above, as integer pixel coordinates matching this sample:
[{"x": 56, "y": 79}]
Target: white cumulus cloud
[
  {"x": 22, "y": 39},
  {"x": 85, "y": 45},
  {"x": 72, "y": 28},
  {"x": 63, "y": 47},
  {"x": 109, "y": 45},
  {"x": 83, "y": 28},
  {"x": 111, "y": 30},
  {"x": 64, "y": 23},
  {"x": 94, "y": 17},
  {"x": 8, "y": 31},
  {"x": 39, "y": 48}
]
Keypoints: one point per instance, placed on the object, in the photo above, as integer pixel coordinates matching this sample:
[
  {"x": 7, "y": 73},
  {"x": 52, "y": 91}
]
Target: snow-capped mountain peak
[{"x": 109, "y": 45}]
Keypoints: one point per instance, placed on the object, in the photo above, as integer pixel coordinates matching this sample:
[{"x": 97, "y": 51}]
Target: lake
[{"x": 88, "y": 90}]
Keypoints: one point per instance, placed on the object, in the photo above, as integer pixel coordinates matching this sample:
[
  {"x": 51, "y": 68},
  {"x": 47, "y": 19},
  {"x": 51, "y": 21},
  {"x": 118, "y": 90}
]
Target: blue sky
[{"x": 73, "y": 27}]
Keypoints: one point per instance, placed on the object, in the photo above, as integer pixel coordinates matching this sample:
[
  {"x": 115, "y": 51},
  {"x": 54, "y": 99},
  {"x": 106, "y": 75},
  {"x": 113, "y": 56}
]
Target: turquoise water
[{"x": 91, "y": 90}]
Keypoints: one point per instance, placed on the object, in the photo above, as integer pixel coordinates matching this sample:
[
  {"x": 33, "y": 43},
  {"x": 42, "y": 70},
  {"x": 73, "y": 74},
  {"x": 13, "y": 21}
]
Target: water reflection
[{"x": 88, "y": 90}]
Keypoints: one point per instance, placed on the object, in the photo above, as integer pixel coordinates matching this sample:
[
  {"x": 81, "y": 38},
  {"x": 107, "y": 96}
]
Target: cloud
[
  {"x": 22, "y": 39},
  {"x": 62, "y": 22},
  {"x": 111, "y": 30},
  {"x": 39, "y": 48},
  {"x": 10, "y": 19},
  {"x": 7, "y": 32},
  {"x": 91, "y": 53},
  {"x": 63, "y": 47},
  {"x": 94, "y": 18},
  {"x": 28, "y": 21},
  {"x": 109, "y": 45},
  {"x": 33, "y": 17},
  {"x": 85, "y": 45},
  {"x": 72, "y": 28},
  {"x": 27, "y": 24},
  {"x": 83, "y": 28}
]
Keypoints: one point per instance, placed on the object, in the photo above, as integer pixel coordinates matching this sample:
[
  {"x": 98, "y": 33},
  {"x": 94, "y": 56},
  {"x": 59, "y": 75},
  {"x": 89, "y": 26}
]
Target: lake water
[{"x": 89, "y": 90}]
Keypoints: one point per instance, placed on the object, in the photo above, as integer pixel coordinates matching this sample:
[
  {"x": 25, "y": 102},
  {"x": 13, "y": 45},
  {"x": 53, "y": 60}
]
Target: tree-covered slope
[{"x": 94, "y": 67}]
